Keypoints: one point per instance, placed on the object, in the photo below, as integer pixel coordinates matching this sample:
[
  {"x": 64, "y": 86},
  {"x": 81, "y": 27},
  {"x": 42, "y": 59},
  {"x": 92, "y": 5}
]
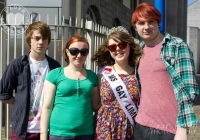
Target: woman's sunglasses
[
  {"x": 75, "y": 51},
  {"x": 113, "y": 47}
]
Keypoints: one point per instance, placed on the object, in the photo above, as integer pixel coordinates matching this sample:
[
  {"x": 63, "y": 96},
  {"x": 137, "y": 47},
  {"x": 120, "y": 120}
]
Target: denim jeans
[
  {"x": 85, "y": 137},
  {"x": 147, "y": 133}
]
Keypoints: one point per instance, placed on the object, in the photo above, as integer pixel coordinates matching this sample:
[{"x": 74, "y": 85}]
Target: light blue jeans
[{"x": 85, "y": 137}]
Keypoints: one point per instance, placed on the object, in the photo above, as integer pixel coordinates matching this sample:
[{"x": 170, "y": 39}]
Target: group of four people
[{"x": 140, "y": 92}]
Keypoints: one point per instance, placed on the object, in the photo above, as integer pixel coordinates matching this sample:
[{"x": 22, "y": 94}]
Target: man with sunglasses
[
  {"x": 168, "y": 82},
  {"x": 25, "y": 75}
]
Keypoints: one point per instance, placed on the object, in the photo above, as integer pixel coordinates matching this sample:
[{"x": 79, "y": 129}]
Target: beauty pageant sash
[{"x": 120, "y": 92}]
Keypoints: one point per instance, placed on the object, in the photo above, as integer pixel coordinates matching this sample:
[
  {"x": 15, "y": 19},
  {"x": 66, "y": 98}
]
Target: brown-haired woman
[{"x": 117, "y": 57}]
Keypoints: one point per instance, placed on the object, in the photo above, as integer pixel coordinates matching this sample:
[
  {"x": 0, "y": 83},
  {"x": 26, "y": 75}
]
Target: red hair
[
  {"x": 147, "y": 11},
  {"x": 75, "y": 38}
]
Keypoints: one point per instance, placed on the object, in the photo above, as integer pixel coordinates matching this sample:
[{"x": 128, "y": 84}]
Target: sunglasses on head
[
  {"x": 113, "y": 47},
  {"x": 75, "y": 51}
]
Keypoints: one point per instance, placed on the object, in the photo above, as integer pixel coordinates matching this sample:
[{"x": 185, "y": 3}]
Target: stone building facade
[
  {"x": 108, "y": 13},
  {"x": 113, "y": 12},
  {"x": 193, "y": 31},
  {"x": 193, "y": 14}
]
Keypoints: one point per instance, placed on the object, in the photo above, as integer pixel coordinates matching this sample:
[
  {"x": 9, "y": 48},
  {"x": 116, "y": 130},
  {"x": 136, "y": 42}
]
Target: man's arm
[
  {"x": 185, "y": 69},
  {"x": 9, "y": 101},
  {"x": 8, "y": 84}
]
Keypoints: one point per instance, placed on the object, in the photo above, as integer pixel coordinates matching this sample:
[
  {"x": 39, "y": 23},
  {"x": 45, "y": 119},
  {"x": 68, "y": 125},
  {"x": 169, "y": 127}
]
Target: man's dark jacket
[{"x": 17, "y": 76}]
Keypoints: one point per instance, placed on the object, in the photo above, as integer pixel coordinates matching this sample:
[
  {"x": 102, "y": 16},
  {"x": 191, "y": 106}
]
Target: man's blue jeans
[{"x": 85, "y": 137}]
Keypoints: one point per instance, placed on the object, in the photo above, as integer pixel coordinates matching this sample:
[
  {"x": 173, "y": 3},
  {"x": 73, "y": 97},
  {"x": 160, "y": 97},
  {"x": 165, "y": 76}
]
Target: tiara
[{"x": 118, "y": 28}]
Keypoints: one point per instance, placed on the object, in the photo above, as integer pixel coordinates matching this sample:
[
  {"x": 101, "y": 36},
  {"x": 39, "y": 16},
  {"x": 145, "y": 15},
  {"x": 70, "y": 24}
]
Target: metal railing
[{"x": 13, "y": 44}]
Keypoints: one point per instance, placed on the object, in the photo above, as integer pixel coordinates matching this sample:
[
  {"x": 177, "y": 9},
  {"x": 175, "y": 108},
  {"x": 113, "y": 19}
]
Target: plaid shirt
[{"x": 178, "y": 59}]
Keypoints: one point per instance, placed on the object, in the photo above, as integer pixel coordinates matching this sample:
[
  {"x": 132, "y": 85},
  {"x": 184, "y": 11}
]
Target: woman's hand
[{"x": 49, "y": 93}]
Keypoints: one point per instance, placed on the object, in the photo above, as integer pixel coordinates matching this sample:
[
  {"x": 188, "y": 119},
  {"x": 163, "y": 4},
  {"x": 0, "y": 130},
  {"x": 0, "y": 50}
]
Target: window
[
  {"x": 116, "y": 22},
  {"x": 93, "y": 14}
]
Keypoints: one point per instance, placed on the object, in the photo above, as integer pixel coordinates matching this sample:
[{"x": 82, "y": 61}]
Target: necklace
[
  {"x": 78, "y": 84},
  {"x": 73, "y": 75}
]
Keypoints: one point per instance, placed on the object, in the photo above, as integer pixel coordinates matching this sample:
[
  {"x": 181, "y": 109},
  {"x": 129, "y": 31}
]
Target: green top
[{"x": 72, "y": 113}]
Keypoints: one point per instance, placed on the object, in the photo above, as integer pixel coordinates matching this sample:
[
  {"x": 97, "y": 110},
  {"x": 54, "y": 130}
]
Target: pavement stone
[{"x": 194, "y": 133}]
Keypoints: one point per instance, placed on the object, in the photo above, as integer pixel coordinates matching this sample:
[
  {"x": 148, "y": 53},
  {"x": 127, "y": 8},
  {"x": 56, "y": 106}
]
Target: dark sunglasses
[
  {"x": 75, "y": 51},
  {"x": 113, "y": 47}
]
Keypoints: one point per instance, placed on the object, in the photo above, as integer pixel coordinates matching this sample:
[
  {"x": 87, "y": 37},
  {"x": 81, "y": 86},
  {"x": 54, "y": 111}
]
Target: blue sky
[{"x": 190, "y": 1}]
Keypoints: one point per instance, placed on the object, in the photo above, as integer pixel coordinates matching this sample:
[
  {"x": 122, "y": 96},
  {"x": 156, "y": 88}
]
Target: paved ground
[{"x": 194, "y": 133}]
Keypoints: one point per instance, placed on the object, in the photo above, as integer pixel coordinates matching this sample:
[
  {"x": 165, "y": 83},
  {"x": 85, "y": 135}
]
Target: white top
[{"x": 39, "y": 71}]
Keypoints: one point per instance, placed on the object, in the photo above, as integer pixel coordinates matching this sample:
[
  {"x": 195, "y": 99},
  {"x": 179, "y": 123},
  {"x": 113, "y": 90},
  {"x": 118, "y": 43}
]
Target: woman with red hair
[
  {"x": 71, "y": 95},
  {"x": 167, "y": 77}
]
